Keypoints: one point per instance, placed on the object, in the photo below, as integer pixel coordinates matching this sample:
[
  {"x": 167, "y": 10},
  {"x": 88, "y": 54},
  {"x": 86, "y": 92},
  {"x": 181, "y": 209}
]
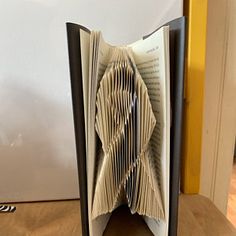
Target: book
[{"x": 126, "y": 125}]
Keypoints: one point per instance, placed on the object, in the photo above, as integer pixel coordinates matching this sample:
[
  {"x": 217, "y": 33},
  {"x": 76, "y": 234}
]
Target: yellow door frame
[{"x": 196, "y": 12}]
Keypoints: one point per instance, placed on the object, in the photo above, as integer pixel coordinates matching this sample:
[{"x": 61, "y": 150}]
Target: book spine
[{"x": 73, "y": 36}]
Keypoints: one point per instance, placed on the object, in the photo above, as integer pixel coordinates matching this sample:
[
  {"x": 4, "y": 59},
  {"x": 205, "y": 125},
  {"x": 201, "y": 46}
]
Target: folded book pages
[
  {"x": 128, "y": 151},
  {"x": 127, "y": 125},
  {"x": 126, "y": 171}
]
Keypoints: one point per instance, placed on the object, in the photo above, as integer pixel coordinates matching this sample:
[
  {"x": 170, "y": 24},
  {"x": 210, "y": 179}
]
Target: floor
[
  {"x": 231, "y": 212},
  {"x": 197, "y": 217}
]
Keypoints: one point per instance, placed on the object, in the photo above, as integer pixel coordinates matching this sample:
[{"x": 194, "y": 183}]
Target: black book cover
[
  {"x": 73, "y": 35},
  {"x": 177, "y": 62}
]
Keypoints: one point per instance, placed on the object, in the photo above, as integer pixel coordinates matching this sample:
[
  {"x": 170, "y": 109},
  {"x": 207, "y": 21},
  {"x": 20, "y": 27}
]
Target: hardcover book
[{"x": 127, "y": 106}]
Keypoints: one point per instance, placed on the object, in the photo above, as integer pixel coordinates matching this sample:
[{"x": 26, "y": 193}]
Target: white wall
[{"x": 37, "y": 149}]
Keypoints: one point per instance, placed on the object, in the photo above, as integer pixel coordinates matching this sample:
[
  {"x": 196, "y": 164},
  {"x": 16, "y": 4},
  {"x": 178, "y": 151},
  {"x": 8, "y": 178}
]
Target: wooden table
[{"x": 197, "y": 216}]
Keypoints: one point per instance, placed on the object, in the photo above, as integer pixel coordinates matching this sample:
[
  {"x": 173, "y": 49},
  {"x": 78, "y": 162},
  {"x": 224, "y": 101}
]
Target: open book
[{"x": 123, "y": 94}]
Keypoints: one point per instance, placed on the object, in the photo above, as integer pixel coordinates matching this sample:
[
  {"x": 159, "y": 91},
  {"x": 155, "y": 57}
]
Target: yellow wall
[{"x": 196, "y": 12}]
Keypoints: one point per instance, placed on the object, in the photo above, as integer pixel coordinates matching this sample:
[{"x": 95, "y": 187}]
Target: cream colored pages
[
  {"x": 128, "y": 131},
  {"x": 85, "y": 46},
  {"x": 99, "y": 55},
  {"x": 125, "y": 123},
  {"x": 152, "y": 60}
]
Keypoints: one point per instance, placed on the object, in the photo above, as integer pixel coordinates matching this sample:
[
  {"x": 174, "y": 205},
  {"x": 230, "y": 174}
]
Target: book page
[
  {"x": 99, "y": 56},
  {"x": 85, "y": 46},
  {"x": 152, "y": 60},
  {"x": 140, "y": 131},
  {"x": 123, "y": 111}
]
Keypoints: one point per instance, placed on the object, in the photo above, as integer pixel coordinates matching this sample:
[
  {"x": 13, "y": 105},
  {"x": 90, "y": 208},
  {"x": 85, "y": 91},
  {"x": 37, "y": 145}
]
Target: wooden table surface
[{"x": 197, "y": 216}]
